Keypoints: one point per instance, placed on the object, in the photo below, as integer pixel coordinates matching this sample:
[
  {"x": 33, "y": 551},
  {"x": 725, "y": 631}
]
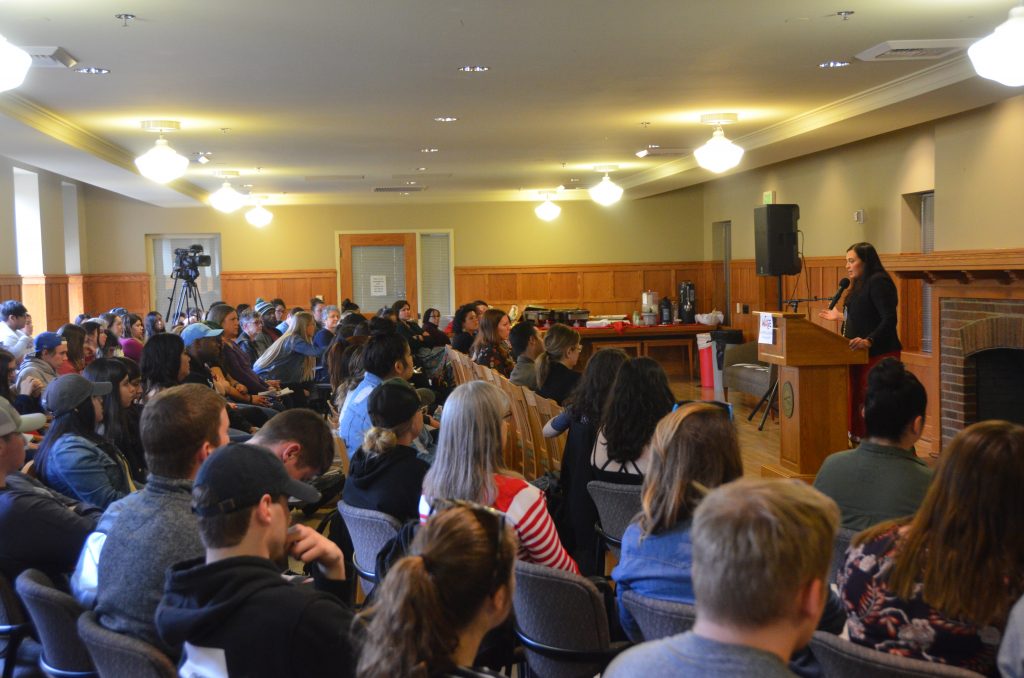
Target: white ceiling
[{"x": 348, "y": 88}]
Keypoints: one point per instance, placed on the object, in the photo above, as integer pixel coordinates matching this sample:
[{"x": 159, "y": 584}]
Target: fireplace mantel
[{"x": 963, "y": 266}]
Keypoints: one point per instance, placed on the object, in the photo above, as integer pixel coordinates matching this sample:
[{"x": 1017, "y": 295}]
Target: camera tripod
[{"x": 187, "y": 297}]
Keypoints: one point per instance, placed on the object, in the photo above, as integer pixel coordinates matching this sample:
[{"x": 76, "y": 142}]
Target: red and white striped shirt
[{"x": 525, "y": 508}]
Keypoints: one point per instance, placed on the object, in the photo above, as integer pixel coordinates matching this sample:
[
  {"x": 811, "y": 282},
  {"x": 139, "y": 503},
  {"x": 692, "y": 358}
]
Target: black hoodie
[
  {"x": 390, "y": 483},
  {"x": 241, "y": 614}
]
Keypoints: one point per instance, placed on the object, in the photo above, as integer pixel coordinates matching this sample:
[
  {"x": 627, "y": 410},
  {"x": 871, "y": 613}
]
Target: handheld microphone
[{"x": 843, "y": 284}]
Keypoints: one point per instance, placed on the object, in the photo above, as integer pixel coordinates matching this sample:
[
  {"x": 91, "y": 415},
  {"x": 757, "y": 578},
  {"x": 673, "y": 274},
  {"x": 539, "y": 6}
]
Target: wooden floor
[{"x": 757, "y": 447}]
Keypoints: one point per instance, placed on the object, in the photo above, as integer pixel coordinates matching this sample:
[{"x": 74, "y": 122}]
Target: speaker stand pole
[{"x": 780, "y": 292}]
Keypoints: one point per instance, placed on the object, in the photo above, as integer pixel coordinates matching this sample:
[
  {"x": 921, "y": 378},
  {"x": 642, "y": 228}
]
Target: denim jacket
[
  {"x": 288, "y": 367},
  {"x": 658, "y": 566},
  {"x": 76, "y": 467}
]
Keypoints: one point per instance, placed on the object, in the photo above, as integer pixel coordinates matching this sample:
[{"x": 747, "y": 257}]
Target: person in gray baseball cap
[
  {"x": 73, "y": 458},
  {"x": 233, "y": 609}
]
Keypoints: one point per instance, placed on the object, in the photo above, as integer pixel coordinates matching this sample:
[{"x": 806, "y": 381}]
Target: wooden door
[{"x": 365, "y": 274}]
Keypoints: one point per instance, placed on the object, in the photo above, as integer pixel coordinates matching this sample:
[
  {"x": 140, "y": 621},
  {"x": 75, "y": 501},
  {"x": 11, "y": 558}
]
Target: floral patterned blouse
[
  {"x": 498, "y": 358},
  {"x": 909, "y": 628}
]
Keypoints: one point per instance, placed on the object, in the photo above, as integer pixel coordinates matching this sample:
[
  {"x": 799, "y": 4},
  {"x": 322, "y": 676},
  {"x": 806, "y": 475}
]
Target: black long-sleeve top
[{"x": 871, "y": 314}]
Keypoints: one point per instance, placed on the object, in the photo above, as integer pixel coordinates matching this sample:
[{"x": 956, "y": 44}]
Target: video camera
[{"x": 187, "y": 262}]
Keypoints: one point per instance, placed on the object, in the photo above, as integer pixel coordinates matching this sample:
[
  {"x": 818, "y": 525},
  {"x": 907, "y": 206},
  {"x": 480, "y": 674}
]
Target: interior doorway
[
  {"x": 721, "y": 251},
  {"x": 379, "y": 269}
]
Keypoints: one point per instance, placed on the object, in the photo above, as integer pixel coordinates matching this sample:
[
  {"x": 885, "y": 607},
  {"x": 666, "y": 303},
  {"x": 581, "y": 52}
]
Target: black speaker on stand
[{"x": 775, "y": 245}]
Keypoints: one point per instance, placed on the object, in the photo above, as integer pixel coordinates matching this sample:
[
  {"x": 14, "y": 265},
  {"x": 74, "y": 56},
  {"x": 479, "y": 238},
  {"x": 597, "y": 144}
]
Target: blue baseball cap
[
  {"x": 196, "y": 331},
  {"x": 47, "y": 341}
]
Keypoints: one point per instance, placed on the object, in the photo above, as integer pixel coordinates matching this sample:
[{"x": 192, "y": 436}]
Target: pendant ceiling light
[
  {"x": 718, "y": 154},
  {"x": 1000, "y": 56},
  {"x": 259, "y": 216},
  {"x": 161, "y": 163},
  {"x": 547, "y": 210},
  {"x": 607, "y": 192},
  {"x": 14, "y": 65},
  {"x": 226, "y": 199}
]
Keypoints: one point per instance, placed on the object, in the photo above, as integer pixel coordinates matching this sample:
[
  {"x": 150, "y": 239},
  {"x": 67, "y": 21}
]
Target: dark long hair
[
  {"x": 488, "y": 334},
  {"x": 429, "y": 312},
  {"x": 639, "y": 398},
  {"x": 128, "y": 320},
  {"x": 117, "y": 421},
  {"x": 460, "y": 317},
  {"x": 6, "y": 358},
  {"x": 866, "y": 252},
  {"x": 459, "y": 558},
  {"x": 80, "y": 421},
  {"x": 150, "y": 324},
  {"x": 75, "y": 336},
  {"x": 161, "y": 360},
  {"x": 587, "y": 400}
]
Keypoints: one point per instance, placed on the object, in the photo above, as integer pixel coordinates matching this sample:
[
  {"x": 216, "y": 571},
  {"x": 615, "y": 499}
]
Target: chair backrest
[
  {"x": 117, "y": 655},
  {"x": 840, "y": 658},
  {"x": 14, "y": 623},
  {"x": 843, "y": 537},
  {"x": 548, "y": 409},
  {"x": 55, "y": 615},
  {"x": 483, "y": 372},
  {"x": 617, "y": 505},
  {"x": 658, "y": 618},
  {"x": 540, "y": 444},
  {"x": 370, "y": 531},
  {"x": 521, "y": 457},
  {"x": 563, "y": 610}
]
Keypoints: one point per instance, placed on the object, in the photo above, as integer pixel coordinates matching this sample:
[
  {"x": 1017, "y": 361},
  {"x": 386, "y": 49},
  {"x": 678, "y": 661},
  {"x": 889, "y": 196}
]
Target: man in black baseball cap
[{"x": 233, "y": 610}]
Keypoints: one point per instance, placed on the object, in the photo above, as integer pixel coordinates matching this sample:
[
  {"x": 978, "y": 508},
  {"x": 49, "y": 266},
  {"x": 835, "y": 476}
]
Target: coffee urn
[{"x": 687, "y": 302}]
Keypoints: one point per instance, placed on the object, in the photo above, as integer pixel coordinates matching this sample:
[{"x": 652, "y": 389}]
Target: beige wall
[
  {"x": 8, "y": 251},
  {"x": 663, "y": 228}
]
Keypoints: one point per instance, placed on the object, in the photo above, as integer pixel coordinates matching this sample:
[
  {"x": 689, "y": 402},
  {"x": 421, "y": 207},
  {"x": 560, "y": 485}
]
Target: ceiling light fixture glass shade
[
  {"x": 606, "y": 192},
  {"x": 1000, "y": 56},
  {"x": 259, "y": 216},
  {"x": 718, "y": 154},
  {"x": 161, "y": 163},
  {"x": 14, "y": 65},
  {"x": 226, "y": 199},
  {"x": 547, "y": 210}
]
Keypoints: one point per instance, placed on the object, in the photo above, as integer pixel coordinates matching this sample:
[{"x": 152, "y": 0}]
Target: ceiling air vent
[
  {"x": 915, "y": 50},
  {"x": 399, "y": 189},
  {"x": 50, "y": 57},
  {"x": 333, "y": 178}
]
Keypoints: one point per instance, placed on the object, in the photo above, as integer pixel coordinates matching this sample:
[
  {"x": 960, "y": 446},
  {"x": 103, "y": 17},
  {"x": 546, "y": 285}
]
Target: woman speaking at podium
[{"x": 869, "y": 321}]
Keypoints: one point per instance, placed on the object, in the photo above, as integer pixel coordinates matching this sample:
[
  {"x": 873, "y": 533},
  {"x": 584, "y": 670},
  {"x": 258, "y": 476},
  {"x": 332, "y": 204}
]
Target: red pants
[{"x": 858, "y": 387}]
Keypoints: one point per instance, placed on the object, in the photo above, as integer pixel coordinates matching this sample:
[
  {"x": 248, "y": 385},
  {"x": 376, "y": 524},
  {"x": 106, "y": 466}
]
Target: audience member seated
[
  {"x": 761, "y": 554},
  {"x": 348, "y": 307},
  {"x": 639, "y": 398},
  {"x": 939, "y": 585},
  {"x": 474, "y": 425},
  {"x": 38, "y": 530},
  {"x": 151, "y": 530},
  {"x": 464, "y": 328},
  {"x": 15, "y": 330},
  {"x": 581, "y": 418},
  {"x": 431, "y": 320},
  {"x": 291, "y": 359},
  {"x": 74, "y": 336},
  {"x": 345, "y": 367},
  {"x": 202, "y": 344},
  {"x": 268, "y": 315},
  {"x": 121, "y": 415},
  {"x": 154, "y": 324},
  {"x": 556, "y": 377},
  {"x": 694, "y": 449},
  {"x": 352, "y": 325},
  {"x": 115, "y": 323},
  {"x": 251, "y": 327},
  {"x": 164, "y": 364},
  {"x": 385, "y": 474},
  {"x": 234, "y": 359},
  {"x": 882, "y": 478},
  {"x": 51, "y": 352},
  {"x": 527, "y": 346},
  {"x": 26, "y": 395},
  {"x": 316, "y": 309},
  {"x": 72, "y": 458},
  {"x": 95, "y": 339},
  {"x": 426, "y": 355},
  {"x": 301, "y": 439},
  {"x": 438, "y": 603},
  {"x": 330, "y": 316},
  {"x": 233, "y": 609},
  {"x": 385, "y": 356},
  {"x": 111, "y": 346},
  {"x": 490, "y": 347},
  {"x": 134, "y": 336},
  {"x": 1011, "y": 651}
]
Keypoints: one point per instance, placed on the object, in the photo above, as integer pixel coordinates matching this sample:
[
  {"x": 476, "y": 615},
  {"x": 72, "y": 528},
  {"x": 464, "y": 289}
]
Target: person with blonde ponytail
[
  {"x": 555, "y": 375},
  {"x": 385, "y": 474},
  {"x": 437, "y": 604}
]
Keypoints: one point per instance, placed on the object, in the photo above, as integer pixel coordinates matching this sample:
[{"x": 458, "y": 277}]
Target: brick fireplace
[{"x": 969, "y": 327}]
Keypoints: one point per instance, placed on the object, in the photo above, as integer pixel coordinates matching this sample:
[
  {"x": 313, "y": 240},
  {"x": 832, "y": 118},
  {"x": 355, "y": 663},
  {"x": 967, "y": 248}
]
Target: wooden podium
[{"x": 813, "y": 386}]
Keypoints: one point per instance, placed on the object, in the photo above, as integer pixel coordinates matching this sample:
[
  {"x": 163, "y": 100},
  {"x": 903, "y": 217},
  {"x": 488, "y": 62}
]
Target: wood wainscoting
[
  {"x": 104, "y": 291},
  {"x": 295, "y": 287}
]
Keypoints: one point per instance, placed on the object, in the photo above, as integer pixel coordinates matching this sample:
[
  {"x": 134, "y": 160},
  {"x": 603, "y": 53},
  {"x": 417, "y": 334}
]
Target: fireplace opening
[{"x": 1000, "y": 384}]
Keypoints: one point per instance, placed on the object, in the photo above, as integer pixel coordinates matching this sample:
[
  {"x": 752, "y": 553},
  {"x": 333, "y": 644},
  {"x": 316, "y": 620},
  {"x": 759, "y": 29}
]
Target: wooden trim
[
  {"x": 289, "y": 274},
  {"x": 407, "y": 240}
]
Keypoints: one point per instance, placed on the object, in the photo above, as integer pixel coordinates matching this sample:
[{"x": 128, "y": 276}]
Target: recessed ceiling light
[
  {"x": 421, "y": 169},
  {"x": 405, "y": 194},
  {"x": 445, "y": 118},
  {"x": 428, "y": 150},
  {"x": 833, "y": 64},
  {"x": 474, "y": 69},
  {"x": 410, "y": 183},
  {"x": 92, "y": 70}
]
